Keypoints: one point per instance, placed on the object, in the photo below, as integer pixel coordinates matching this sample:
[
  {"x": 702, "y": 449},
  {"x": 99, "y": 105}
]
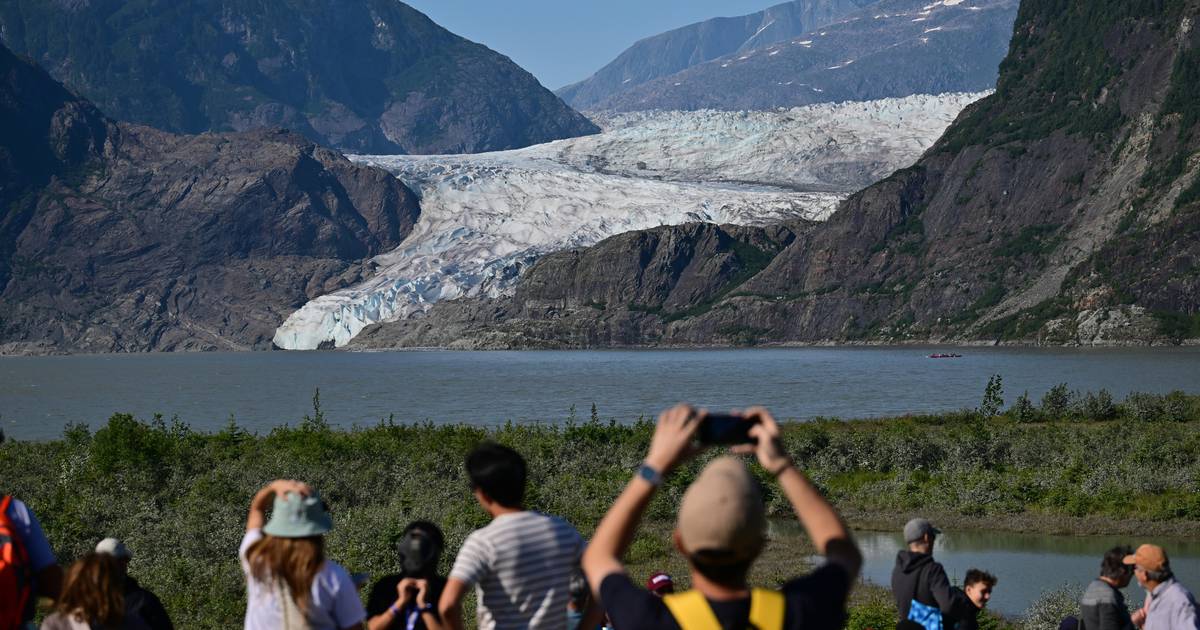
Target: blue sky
[{"x": 563, "y": 41}]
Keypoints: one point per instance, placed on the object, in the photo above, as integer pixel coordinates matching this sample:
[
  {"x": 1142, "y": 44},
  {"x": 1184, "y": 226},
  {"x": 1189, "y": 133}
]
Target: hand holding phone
[{"x": 718, "y": 428}]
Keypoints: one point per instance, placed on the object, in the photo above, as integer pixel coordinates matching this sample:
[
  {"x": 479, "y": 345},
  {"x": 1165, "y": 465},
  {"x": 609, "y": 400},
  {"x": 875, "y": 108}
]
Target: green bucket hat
[{"x": 298, "y": 516}]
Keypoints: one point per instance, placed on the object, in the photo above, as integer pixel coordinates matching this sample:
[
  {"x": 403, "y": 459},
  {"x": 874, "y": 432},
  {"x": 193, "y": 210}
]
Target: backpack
[
  {"x": 929, "y": 617},
  {"x": 692, "y": 612},
  {"x": 16, "y": 575}
]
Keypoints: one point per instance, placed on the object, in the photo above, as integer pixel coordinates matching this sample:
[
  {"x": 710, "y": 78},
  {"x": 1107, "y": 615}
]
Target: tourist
[
  {"x": 581, "y": 599},
  {"x": 1102, "y": 606},
  {"x": 973, "y": 598},
  {"x": 720, "y": 531},
  {"x": 139, "y": 602},
  {"x": 408, "y": 599},
  {"x": 1169, "y": 605},
  {"x": 919, "y": 584},
  {"x": 660, "y": 584},
  {"x": 520, "y": 564},
  {"x": 21, "y": 531},
  {"x": 92, "y": 597},
  {"x": 289, "y": 582}
]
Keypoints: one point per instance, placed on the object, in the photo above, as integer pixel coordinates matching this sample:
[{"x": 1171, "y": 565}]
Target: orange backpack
[{"x": 16, "y": 576}]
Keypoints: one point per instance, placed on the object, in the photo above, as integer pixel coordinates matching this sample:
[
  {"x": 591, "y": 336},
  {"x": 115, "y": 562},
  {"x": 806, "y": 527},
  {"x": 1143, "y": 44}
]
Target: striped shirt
[{"x": 521, "y": 566}]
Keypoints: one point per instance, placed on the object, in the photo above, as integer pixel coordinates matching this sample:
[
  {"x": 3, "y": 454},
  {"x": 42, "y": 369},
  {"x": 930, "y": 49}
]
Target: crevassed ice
[{"x": 486, "y": 217}]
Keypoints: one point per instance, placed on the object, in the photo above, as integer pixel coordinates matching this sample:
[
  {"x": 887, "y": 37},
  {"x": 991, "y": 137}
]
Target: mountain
[
  {"x": 119, "y": 237},
  {"x": 485, "y": 218},
  {"x": 891, "y": 48},
  {"x": 1063, "y": 209},
  {"x": 675, "y": 50},
  {"x": 365, "y": 76}
]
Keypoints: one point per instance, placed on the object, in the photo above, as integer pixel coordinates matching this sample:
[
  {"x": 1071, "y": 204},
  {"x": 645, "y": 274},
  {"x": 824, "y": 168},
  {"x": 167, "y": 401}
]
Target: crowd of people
[{"x": 531, "y": 570}]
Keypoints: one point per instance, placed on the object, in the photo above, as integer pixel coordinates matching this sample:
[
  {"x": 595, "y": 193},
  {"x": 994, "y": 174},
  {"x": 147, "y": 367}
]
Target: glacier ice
[{"x": 486, "y": 217}]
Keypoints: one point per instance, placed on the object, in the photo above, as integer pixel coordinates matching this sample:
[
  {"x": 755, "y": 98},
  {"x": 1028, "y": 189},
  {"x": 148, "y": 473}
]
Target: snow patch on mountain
[{"x": 486, "y": 217}]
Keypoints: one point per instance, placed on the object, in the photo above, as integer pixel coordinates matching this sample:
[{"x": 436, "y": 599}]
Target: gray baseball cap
[
  {"x": 298, "y": 516},
  {"x": 916, "y": 529}
]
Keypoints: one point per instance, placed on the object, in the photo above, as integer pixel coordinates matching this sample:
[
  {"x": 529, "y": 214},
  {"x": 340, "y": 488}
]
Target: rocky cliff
[
  {"x": 364, "y": 76},
  {"x": 117, "y": 237},
  {"x": 1065, "y": 208},
  {"x": 679, "y": 49}
]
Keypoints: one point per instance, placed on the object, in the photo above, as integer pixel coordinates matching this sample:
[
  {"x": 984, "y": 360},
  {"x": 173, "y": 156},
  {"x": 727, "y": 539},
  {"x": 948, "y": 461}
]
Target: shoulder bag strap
[
  {"x": 766, "y": 609},
  {"x": 691, "y": 611}
]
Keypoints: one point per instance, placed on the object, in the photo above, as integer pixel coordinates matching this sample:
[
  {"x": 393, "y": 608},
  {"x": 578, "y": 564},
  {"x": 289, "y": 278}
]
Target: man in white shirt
[{"x": 521, "y": 563}]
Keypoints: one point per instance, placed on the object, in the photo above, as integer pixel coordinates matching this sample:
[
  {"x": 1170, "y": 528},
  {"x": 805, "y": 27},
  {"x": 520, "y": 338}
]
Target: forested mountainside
[
  {"x": 118, "y": 237},
  {"x": 889, "y": 48},
  {"x": 1065, "y": 208},
  {"x": 365, "y": 76},
  {"x": 681, "y": 48}
]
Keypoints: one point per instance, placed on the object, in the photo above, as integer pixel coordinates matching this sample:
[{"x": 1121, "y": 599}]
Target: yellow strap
[
  {"x": 766, "y": 609},
  {"x": 692, "y": 612}
]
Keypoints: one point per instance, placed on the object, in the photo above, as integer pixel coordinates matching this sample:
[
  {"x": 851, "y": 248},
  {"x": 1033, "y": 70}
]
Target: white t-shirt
[
  {"x": 334, "y": 600},
  {"x": 521, "y": 564}
]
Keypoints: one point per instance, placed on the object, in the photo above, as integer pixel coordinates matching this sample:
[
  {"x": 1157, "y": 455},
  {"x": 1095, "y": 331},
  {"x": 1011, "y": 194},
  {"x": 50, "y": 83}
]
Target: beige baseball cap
[
  {"x": 722, "y": 512},
  {"x": 1149, "y": 557}
]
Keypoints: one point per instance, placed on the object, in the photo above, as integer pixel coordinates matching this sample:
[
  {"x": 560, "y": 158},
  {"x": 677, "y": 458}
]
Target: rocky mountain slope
[
  {"x": 367, "y": 76},
  {"x": 890, "y": 48},
  {"x": 678, "y": 49},
  {"x": 117, "y": 237},
  {"x": 485, "y": 218},
  {"x": 1065, "y": 208}
]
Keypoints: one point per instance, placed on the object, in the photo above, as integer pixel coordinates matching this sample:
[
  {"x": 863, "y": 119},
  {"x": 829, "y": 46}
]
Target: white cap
[{"x": 114, "y": 547}]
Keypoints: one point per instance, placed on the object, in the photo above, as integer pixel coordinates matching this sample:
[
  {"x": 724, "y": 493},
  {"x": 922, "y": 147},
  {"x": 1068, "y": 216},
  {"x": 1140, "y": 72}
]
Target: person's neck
[
  {"x": 718, "y": 592},
  {"x": 1153, "y": 586},
  {"x": 1109, "y": 581},
  {"x": 500, "y": 510}
]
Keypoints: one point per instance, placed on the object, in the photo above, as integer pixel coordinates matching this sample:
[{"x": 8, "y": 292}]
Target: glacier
[{"x": 486, "y": 217}]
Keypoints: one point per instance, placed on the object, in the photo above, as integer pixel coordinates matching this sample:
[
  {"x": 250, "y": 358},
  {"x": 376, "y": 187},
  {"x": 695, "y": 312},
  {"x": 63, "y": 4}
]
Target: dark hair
[
  {"x": 975, "y": 575},
  {"x": 1113, "y": 565},
  {"x": 499, "y": 472},
  {"x": 719, "y": 568},
  {"x": 424, "y": 561}
]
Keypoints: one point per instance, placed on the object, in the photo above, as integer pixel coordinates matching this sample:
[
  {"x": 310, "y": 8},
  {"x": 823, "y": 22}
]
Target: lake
[
  {"x": 40, "y": 395},
  {"x": 1026, "y": 565}
]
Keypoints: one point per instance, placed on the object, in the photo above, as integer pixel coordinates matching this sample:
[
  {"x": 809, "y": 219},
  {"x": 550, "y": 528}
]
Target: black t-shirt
[
  {"x": 383, "y": 595},
  {"x": 817, "y": 600}
]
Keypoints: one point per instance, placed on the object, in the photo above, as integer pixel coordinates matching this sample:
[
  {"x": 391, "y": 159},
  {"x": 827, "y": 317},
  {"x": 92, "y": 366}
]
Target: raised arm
[
  {"x": 671, "y": 444},
  {"x": 824, "y": 527},
  {"x": 265, "y": 498}
]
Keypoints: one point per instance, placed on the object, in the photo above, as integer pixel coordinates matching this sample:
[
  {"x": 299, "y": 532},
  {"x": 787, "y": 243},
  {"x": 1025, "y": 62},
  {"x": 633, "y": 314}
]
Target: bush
[
  {"x": 993, "y": 399},
  {"x": 1023, "y": 410},
  {"x": 1051, "y": 608},
  {"x": 1057, "y": 402}
]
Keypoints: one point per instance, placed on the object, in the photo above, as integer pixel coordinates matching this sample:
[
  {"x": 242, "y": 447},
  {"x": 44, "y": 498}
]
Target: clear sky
[{"x": 564, "y": 41}]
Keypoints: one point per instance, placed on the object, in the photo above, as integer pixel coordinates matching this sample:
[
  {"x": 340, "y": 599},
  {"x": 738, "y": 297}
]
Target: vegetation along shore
[{"x": 1069, "y": 463}]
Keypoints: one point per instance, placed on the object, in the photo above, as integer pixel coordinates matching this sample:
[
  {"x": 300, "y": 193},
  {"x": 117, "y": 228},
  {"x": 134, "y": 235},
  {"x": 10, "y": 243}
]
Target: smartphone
[{"x": 717, "y": 428}]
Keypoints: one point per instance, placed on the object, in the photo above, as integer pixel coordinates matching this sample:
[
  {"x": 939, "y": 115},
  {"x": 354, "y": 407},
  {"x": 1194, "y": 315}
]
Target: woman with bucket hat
[{"x": 290, "y": 585}]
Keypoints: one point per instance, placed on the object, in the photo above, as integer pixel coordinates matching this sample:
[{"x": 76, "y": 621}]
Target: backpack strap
[
  {"x": 691, "y": 611},
  {"x": 766, "y": 609}
]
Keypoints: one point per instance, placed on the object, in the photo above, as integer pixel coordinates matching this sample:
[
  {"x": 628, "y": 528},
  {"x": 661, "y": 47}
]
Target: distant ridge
[
  {"x": 678, "y": 49},
  {"x": 887, "y": 49}
]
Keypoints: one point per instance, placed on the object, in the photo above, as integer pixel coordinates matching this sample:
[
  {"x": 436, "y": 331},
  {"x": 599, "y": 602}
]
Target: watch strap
[{"x": 652, "y": 476}]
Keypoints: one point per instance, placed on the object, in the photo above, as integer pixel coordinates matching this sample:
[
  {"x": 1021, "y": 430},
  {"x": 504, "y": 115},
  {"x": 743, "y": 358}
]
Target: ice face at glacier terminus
[{"x": 486, "y": 217}]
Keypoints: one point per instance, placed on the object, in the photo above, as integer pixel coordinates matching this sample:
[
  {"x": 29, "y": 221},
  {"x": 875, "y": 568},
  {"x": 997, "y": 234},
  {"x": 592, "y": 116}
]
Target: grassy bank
[{"x": 179, "y": 496}]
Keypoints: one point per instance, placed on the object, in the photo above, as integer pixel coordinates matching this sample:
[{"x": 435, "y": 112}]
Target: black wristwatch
[{"x": 653, "y": 477}]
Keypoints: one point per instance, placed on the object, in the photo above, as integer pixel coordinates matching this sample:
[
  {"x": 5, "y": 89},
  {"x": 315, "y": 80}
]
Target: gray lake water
[
  {"x": 39, "y": 395},
  {"x": 1026, "y": 565}
]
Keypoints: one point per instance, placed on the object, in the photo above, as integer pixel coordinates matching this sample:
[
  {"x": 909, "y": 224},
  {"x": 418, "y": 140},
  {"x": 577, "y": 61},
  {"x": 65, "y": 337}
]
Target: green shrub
[{"x": 1057, "y": 402}]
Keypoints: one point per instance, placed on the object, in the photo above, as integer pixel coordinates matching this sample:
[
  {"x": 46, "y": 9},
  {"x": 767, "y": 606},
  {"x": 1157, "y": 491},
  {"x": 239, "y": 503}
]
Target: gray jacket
[
  {"x": 1103, "y": 608},
  {"x": 1172, "y": 607}
]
